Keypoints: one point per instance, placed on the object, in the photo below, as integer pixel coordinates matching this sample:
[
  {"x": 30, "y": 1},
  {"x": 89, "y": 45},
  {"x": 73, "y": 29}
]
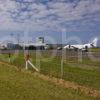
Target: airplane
[
  {"x": 32, "y": 44},
  {"x": 83, "y": 47},
  {"x": 35, "y": 45},
  {"x": 3, "y": 46}
]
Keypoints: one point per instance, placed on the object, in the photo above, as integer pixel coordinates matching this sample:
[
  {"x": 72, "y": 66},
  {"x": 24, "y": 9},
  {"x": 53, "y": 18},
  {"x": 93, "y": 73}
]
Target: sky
[{"x": 48, "y": 18}]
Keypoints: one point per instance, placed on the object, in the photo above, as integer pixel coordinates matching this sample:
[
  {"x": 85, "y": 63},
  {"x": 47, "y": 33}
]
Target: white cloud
[{"x": 39, "y": 16}]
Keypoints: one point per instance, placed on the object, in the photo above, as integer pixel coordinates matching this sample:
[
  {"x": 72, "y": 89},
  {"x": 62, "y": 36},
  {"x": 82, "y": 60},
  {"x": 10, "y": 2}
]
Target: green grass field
[
  {"x": 95, "y": 50},
  {"x": 16, "y": 85},
  {"x": 85, "y": 73}
]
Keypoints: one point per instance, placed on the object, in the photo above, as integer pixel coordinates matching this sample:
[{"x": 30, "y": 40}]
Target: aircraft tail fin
[{"x": 94, "y": 42}]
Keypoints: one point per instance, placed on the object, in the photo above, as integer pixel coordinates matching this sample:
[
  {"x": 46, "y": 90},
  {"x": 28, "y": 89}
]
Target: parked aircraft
[
  {"x": 83, "y": 47},
  {"x": 3, "y": 46},
  {"x": 32, "y": 44}
]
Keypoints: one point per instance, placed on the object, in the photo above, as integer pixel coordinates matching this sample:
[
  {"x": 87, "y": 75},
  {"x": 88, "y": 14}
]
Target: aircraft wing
[{"x": 74, "y": 47}]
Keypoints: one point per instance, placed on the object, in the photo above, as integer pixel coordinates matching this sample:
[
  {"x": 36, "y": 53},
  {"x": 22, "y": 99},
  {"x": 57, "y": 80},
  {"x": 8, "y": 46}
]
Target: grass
[
  {"x": 95, "y": 50},
  {"x": 16, "y": 85},
  {"x": 85, "y": 77},
  {"x": 86, "y": 73}
]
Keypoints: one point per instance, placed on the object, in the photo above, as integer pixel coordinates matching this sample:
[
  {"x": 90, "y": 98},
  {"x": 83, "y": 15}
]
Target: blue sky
[{"x": 49, "y": 17}]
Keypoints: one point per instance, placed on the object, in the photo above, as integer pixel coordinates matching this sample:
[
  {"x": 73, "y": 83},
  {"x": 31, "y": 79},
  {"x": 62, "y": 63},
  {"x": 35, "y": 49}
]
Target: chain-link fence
[{"x": 57, "y": 63}]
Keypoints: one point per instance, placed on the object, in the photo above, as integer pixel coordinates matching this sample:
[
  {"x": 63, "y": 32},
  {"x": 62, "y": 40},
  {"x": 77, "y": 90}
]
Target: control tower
[{"x": 40, "y": 40}]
